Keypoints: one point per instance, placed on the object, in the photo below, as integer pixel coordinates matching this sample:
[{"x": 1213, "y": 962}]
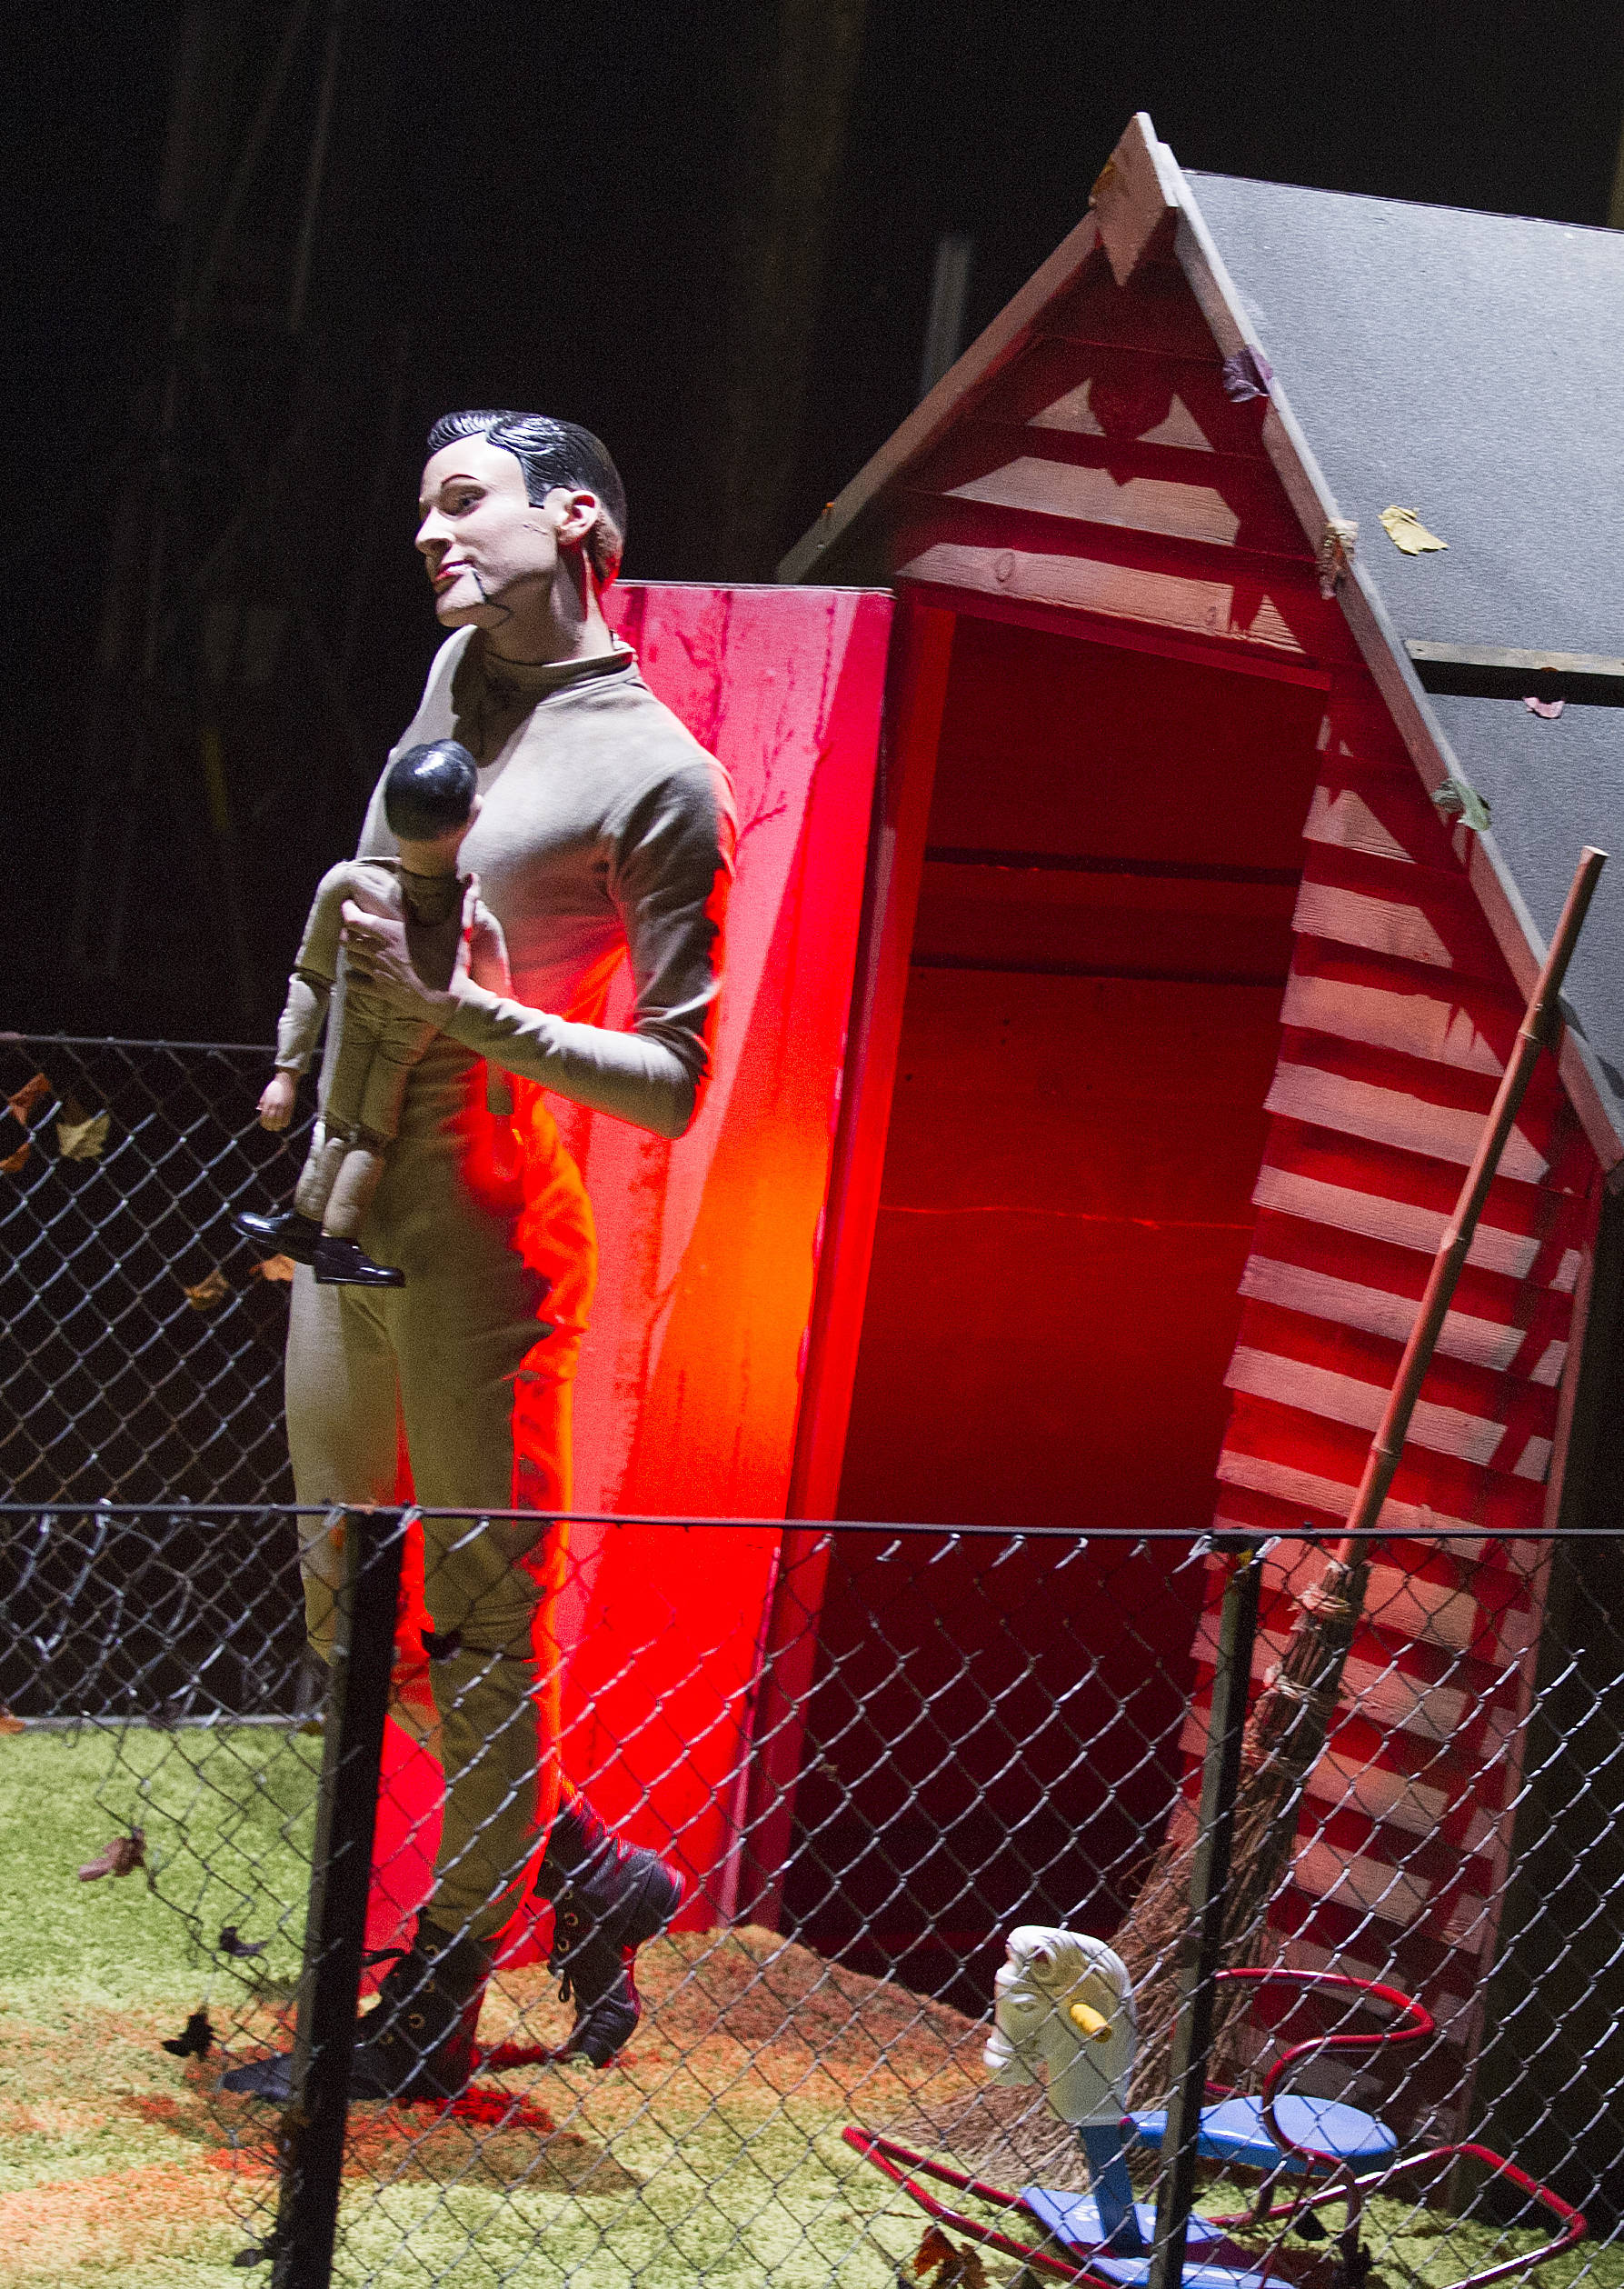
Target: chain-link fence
[
  {"x": 143, "y": 1338},
  {"x": 887, "y": 1747}
]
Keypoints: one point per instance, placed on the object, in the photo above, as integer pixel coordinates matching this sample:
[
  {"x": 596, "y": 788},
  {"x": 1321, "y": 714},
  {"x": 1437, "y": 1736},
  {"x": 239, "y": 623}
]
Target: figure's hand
[
  {"x": 276, "y": 1102},
  {"x": 482, "y": 950},
  {"x": 376, "y": 950}
]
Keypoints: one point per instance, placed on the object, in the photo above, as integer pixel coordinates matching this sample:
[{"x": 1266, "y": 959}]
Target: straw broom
[{"x": 1288, "y": 1727}]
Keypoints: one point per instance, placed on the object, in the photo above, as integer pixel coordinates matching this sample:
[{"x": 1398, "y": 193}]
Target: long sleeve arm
[
  {"x": 670, "y": 877},
  {"x": 315, "y": 967},
  {"x": 299, "y": 1028}
]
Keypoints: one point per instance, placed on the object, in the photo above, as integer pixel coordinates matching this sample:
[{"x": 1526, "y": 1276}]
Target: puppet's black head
[
  {"x": 552, "y": 452},
  {"x": 429, "y": 791}
]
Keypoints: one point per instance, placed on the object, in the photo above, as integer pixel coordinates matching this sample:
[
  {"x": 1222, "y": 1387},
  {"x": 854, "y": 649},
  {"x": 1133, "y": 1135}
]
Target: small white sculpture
[{"x": 1063, "y": 2013}]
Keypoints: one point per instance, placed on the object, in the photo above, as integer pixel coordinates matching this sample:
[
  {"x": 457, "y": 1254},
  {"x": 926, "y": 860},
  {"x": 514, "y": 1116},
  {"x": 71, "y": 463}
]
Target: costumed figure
[
  {"x": 430, "y": 802},
  {"x": 605, "y": 831},
  {"x": 1064, "y": 2012}
]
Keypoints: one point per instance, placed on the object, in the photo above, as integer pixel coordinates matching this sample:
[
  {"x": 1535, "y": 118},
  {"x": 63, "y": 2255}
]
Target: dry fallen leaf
[
  {"x": 210, "y": 1292},
  {"x": 21, "y": 1105},
  {"x": 9, "y": 1724},
  {"x": 13, "y": 1165},
  {"x": 275, "y": 1267},
  {"x": 121, "y": 1857},
  {"x": 952, "y": 2268},
  {"x": 1405, "y": 530},
  {"x": 86, "y": 1139}
]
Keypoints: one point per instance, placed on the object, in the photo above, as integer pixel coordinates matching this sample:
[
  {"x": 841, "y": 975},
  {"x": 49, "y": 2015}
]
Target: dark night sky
[{"x": 544, "y": 196}]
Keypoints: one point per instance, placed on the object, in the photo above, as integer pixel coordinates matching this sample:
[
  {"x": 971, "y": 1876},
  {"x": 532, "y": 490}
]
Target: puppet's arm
[
  {"x": 315, "y": 970},
  {"x": 309, "y": 993}
]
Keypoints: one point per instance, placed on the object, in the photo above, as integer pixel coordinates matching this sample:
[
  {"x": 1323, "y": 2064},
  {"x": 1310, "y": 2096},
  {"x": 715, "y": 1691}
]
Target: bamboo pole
[
  {"x": 1539, "y": 1024},
  {"x": 1293, "y": 1715}
]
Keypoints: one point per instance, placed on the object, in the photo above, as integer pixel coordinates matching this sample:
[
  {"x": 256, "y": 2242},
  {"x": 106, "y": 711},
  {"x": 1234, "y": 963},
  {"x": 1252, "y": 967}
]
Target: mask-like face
[{"x": 483, "y": 540}]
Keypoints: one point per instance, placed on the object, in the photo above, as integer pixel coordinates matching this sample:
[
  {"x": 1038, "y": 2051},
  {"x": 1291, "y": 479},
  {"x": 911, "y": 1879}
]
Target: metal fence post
[
  {"x": 1201, "y": 1944},
  {"x": 313, "y": 2128}
]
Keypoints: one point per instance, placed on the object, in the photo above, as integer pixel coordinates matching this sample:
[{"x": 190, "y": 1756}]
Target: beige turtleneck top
[{"x": 606, "y": 829}]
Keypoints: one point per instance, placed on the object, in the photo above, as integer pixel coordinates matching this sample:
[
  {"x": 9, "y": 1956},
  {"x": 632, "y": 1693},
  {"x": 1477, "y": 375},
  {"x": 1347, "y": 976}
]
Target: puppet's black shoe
[
  {"x": 342, "y": 1264},
  {"x": 416, "y": 2041},
  {"x": 286, "y": 1231},
  {"x": 608, "y": 1897}
]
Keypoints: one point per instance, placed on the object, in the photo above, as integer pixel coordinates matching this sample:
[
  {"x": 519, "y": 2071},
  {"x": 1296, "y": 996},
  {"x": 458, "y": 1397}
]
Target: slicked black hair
[
  {"x": 429, "y": 791},
  {"x": 552, "y": 452}
]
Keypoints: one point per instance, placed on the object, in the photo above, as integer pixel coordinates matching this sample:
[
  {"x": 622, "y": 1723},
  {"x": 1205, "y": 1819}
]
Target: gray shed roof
[{"x": 1472, "y": 367}]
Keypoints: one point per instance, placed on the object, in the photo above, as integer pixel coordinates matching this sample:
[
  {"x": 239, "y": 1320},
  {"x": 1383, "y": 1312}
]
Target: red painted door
[{"x": 689, "y": 1391}]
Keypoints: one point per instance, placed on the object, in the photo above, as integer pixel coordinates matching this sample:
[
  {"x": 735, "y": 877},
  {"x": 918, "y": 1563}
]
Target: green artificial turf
[{"x": 710, "y": 2154}]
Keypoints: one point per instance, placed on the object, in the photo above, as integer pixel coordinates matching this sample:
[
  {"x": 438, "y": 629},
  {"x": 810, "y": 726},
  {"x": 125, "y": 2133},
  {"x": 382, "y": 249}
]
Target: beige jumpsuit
[{"x": 605, "y": 829}]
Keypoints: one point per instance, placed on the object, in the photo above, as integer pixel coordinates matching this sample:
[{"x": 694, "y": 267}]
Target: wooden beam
[
  {"x": 1125, "y": 635},
  {"x": 1497, "y": 671},
  {"x": 1205, "y": 609},
  {"x": 1135, "y": 199},
  {"x": 921, "y": 654}
]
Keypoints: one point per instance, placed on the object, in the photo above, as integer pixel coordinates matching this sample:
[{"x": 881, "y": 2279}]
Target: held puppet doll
[{"x": 430, "y": 803}]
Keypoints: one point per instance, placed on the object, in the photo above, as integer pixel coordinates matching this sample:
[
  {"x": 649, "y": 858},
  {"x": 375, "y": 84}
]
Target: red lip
[{"x": 446, "y": 573}]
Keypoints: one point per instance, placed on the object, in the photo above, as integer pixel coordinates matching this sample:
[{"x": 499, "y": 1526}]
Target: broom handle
[{"x": 1538, "y": 1023}]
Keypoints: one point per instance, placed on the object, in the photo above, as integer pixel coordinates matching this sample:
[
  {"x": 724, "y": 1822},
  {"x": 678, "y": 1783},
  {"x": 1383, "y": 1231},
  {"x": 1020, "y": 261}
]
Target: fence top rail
[
  {"x": 207, "y": 1513},
  {"x": 120, "y": 1041}
]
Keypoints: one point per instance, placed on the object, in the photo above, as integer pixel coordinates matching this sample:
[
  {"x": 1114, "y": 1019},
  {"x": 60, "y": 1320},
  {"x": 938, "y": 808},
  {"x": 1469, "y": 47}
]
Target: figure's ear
[{"x": 577, "y": 515}]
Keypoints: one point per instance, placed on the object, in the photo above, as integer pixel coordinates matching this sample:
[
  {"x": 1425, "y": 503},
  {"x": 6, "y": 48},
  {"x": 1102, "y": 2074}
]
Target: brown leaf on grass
[
  {"x": 275, "y": 1267},
  {"x": 210, "y": 1292},
  {"x": 84, "y": 1139},
  {"x": 951, "y": 2268},
  {"x": 14, "y": 1163},
  {"x": 122, "y": 1856},
  {"x": 22, "y": 1105},
  {"x": 9, "y": 1724}
]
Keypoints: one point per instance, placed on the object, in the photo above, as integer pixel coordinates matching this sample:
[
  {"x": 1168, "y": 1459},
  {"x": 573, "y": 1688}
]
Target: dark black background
[{"x": 544, "y": 197}]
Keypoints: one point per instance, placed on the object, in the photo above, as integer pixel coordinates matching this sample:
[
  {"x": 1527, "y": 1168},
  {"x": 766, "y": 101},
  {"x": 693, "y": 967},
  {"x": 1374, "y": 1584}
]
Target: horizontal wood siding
[{"x": 1398, "y": 1014}]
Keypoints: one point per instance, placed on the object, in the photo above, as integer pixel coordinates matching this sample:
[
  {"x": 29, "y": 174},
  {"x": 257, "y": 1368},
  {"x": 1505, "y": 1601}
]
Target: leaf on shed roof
[{"x": 1405, "y": 530}]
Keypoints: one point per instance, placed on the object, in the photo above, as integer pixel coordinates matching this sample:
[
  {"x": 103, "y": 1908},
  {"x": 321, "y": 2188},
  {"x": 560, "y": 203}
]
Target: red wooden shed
[{"x": 1188, "y": 977}]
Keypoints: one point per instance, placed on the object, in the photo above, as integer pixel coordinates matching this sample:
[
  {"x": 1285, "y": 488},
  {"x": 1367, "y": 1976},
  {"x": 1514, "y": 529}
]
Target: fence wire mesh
[{"x": 891, "y": 1747}]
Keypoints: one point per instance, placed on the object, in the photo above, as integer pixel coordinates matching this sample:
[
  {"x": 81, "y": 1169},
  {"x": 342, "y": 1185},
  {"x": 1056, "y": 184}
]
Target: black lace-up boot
[
  {"x": 416, "y": 2041},
  {"x": 607, "y": 1898}
]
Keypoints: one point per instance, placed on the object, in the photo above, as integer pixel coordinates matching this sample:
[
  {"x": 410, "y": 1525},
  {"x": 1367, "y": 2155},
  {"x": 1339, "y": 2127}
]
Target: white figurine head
[{"x": 1062, "y": 2004}]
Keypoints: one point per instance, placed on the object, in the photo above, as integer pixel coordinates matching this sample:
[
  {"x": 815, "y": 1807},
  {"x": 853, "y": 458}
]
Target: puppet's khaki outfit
[
  {"x": 605, "y": 828},
  {"x": 375, "y": 1045}
]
